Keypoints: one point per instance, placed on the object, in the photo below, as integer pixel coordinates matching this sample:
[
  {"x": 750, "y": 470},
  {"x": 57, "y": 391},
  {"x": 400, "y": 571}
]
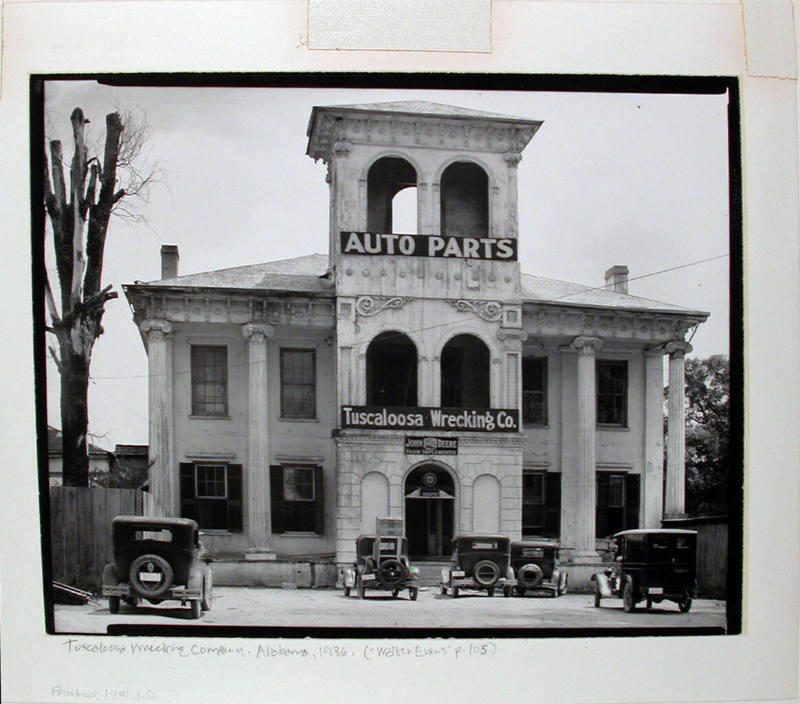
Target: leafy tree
[
  {"x": 79, "y": 215},
  {"x": 707, "y": 434}
]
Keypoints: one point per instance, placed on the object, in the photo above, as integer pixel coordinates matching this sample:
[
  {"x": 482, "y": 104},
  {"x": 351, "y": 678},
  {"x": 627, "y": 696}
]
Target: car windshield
[
  {"x": 162, "y": 535},
  {"x": 388, "y": 545}
]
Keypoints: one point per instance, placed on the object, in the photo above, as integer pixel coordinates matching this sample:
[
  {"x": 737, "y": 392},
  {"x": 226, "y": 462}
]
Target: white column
[
  {"x": 676, "y": 431},
  {"x": 653, "y": 461},
  {"x": 511, "y": 228},
  {"x": 586, "y": 446},
  {"x": 163, "y": 470},
  {"x": 259, "y": 519}
]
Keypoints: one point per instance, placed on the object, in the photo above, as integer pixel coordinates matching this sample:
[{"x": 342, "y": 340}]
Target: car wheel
[
  {"x": 628, "y": 599},
  {"x": 149, "y": 564},
  {"x": 113, "y": 604},
  {"x": 391, "y": 573},
  {"x": 347, "y": 591},
  {"x": 486, "y": 573},
  {"x": 361, "y": 589},
  {"x": 413, "y": 593},
  {"x": 563, "y": 585},
  {"x": 506, "y": 592},
  {"x": 519, "y": 591},
  {"x": 490, "y": 591},
  {"x": 530, "y": 575},
  {"x": 685, "y": 604},
  {"x": 132, "y": 601},
  {"x": 444, "y": 590},
  {"x": 597, "y": 595},
  {"x": 649, "y": 604},
  {"x": 205, "y": 603},
  {"x": 395, "y": 593},
  {"x": 455, "y": 592},
  {"x": 195, "y": 604}
]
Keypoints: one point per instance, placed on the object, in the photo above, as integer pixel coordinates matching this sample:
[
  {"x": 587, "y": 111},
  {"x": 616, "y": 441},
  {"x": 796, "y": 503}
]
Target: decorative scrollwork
[
  {"x": 490, "y": 311},
  {"x": 367, "y": 306}
]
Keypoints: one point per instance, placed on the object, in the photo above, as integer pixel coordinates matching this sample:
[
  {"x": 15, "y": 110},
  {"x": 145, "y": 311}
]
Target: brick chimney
[
  {"x": 617, "y": 278},
  {"x": 169, "y": 261}
]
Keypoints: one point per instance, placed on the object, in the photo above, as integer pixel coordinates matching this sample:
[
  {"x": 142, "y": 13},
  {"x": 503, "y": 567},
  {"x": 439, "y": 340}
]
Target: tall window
[
  {"x": 617, "y": 503},
  {"x": 612, "y": 393},
  {"x": 209, "y": 381},
  {"x": 296, "y": 495},
  {"x": 211, "y": 494},
  {"x": 386, "y": 178},
  {"x": 541, "y": 504},
  {"x": 534, "y": 391},
  {"x": 464, "y": 198},
  {"x": 392, "y": 371},
  {"x": 298, "y": 384},
  {"x": 465, "y": 373}
]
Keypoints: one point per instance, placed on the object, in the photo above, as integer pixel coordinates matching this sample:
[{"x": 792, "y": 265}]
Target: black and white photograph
[
  {"x": 414, "y": 350},
  {"x": 463, "y": 348}
]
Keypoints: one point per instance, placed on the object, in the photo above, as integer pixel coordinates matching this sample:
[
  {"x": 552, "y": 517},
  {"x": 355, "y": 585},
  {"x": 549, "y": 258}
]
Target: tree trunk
[{"x": 74, "y": 418}]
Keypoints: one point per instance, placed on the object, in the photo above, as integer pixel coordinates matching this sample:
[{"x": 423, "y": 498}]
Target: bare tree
[{"x": 80, "y": 217}]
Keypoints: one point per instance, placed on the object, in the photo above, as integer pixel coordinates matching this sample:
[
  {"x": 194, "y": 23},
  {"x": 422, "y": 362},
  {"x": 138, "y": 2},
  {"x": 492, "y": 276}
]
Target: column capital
[
  {"x": 257, "y": 332},
  {"x": 512, "y": 159},
  {"x": 585, "y": 344},
  {"x": 512, "y": 337},
  {"x": 678, "y": 348},
  {"x": 156, "y": 325}
]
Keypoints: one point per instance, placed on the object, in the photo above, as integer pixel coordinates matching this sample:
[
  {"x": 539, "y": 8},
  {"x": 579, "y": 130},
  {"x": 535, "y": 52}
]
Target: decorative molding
[
  {"x": 208, "y": 456},
  {"x": 257, "y": 333},
  {"x": 367, "y": 306},
  {"x": 301, "y": 459},
  {"x": 491, "y": 311},
  {"x": 157, "y": 326}
]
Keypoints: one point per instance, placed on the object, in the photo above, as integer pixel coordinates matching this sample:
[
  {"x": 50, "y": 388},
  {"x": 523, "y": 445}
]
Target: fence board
[{"x": 80, "y": 520}]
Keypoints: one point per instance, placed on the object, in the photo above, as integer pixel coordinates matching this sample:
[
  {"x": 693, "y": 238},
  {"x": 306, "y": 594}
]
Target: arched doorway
[{"x": 430, "y": 511}]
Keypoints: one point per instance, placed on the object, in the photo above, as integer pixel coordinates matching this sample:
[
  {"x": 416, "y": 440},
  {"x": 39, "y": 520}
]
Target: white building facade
[{"x": 415, "y": 375}]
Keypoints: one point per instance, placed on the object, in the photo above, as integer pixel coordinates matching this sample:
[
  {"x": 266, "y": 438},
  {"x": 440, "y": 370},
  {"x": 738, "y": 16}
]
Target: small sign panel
[
  {"x": 431, "y": 446},
  {"x": 502, "y": 249}
]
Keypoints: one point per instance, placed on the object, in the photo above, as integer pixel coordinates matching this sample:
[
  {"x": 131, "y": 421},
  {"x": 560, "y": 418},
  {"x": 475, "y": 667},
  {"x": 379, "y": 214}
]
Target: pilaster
[
  {"x": 653, "y": 466},
  {"x": 163, "y": 471},
  {"x": 259, "y": 520},
  {"x": 675, "y": 504}
]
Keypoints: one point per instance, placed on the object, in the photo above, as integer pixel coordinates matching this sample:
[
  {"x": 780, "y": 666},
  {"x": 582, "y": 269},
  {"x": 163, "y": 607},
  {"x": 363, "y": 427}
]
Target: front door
[{"x": 430, "y": 512}]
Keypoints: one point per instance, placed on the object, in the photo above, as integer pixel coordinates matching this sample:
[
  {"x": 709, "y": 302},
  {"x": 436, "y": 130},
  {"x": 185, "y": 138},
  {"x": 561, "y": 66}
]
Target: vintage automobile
[
  {"x": 381, "y": 563},
  {"x": 157, "y": 559},
  {"x": 650, "y": 565},
  {"x": 535, "y": 565},
  {"x": 479, "y": 562}
]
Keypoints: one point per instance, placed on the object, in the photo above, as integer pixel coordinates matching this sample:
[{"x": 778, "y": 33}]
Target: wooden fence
[
  {"x": 80, "y": 531},
  {"x": 712, "y": 552}
]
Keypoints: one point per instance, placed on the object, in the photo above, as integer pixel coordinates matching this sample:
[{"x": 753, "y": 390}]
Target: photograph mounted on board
[{"x": 469, "y": 351}]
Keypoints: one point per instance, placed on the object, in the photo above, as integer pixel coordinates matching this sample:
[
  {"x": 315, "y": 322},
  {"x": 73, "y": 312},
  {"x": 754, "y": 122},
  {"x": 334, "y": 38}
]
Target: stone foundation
[{"x": 273, "y": 573}]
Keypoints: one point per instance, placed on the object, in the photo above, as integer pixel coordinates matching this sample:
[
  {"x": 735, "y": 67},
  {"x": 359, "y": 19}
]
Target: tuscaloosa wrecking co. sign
[
  {"x": 485, "y": 420},
  {"x": 502, "y": 249}
]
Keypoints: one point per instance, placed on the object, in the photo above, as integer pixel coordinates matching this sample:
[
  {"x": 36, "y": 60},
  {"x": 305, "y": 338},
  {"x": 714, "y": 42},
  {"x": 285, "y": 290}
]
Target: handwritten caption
[{"x": 368, "y": 652}]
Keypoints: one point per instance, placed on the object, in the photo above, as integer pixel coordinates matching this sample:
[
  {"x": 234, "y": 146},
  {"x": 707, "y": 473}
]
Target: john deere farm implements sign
[
  {"x": 430, "y": 445},
  {"x": 468, "y": 420},
  {"x": 502, "y": 249}
]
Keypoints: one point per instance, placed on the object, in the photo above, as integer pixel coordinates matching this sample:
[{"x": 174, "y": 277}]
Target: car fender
[
  {"x": 195, "y": 580},
  {"x": 602, "y": 583},
  {"x": 110, "y": 575},
  {"x": 349, "y": 577}
]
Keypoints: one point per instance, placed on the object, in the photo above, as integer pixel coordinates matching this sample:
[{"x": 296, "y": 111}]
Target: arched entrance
[{"x": 430, "y": 511}]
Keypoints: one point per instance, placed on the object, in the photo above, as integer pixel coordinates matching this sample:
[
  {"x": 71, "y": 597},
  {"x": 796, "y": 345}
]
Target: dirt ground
[{"x": 322, "y": 608}]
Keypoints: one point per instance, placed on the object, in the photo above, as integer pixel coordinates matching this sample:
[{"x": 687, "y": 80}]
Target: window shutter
[
  {"x": 276, "y": 498},
  {"x": 188, "y": 498},
  {"x": 552, "y": 497},
  {"x": 319, "y": 504},
  {"x": 632, "y": 486},
  {"x": 235, "y": 498},
  {"x": 601, "y": 517}
]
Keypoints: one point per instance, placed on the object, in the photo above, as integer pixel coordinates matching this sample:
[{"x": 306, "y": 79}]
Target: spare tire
[
  {"x": 486, "y": 573},
  {"x": 530, "y": 575},
  {"x": 391, "y": 573},
  {"x": 150, "y": 575}
]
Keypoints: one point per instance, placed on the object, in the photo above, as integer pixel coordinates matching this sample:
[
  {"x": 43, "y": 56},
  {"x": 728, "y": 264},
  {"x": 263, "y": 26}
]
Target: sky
[{"x": 633, "y": 179}]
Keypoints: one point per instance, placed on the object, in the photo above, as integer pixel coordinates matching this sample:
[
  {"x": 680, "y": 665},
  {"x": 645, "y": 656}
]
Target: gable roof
[
  {"x": 306, "y": 275},
  {"x": 296, "y": 275},
  {"x": 538, "y": 289}
]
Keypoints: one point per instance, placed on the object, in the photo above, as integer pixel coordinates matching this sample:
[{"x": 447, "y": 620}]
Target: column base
[
  {"x": 581, "y": 566},
  {"x": 263, "y": 553}
]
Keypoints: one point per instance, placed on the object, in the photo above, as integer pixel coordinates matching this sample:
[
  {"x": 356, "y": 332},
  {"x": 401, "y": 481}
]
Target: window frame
[
  {"x": 284, "y": 414},
  {"x": 196, "y": 410},
  {"x": 208, "y": 465},
  {"x": 295, "y": 468},
  {"x": 543, "y": 391},
  {"x": 623, "y": 395}
]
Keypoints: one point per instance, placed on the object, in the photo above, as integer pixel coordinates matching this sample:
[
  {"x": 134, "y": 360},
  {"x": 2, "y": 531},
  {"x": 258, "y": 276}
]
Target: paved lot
[{"x": 238, "y": 606}]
